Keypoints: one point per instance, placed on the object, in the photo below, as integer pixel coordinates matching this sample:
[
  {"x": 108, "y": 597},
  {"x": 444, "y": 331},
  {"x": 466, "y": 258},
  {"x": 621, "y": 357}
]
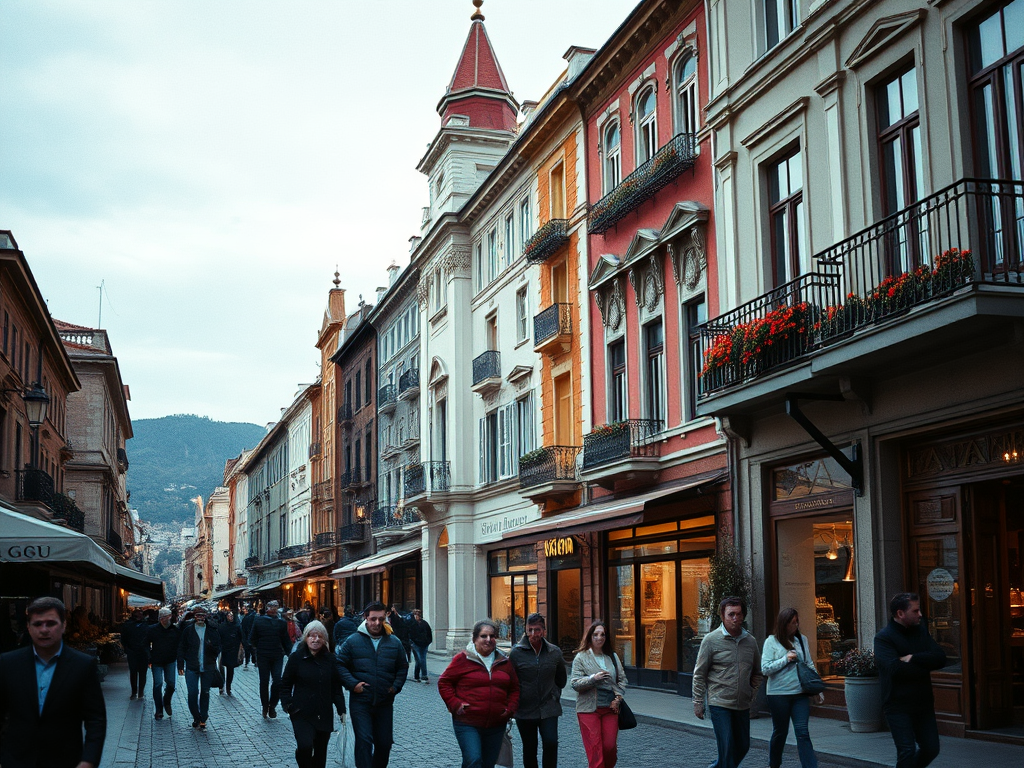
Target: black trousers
[
  {"x": 138, "y": 663},
  {"x": 548, "y": 728},
  {"x": 270, "y": 669},
  {"x": 916, "y": 735},
  {"x": 310, "y": 744}
]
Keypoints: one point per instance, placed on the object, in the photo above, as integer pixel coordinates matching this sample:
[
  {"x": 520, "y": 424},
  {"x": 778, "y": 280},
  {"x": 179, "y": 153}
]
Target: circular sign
[{"x": 940, "y": 584}]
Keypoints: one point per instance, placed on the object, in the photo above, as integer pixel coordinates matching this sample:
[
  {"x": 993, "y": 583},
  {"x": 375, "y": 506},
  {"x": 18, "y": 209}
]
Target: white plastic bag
[{"x": 344, "y": 744}]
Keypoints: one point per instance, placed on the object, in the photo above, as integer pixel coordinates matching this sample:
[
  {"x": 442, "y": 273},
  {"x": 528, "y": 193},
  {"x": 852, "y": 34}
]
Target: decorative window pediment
[{"x": 882, "y": 33}]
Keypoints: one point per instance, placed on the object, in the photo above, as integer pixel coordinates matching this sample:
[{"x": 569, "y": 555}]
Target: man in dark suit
[
  {"x": 269, "y": 636},
  {"x": 48, "y": 691}
]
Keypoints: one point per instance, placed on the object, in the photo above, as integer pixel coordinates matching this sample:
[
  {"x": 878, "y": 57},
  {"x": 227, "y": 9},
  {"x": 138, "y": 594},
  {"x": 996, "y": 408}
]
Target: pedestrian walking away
[
  {"x": 310, "y": 687},
  {"x": 163, "y": 638},
  {"x": 781, "y": 654},
  {"x": 373, "y": 667},
  {"x": 269, "y": 637},
  {"x": 49, "y": 693},
  {"x": 230, "y": 647},
  {"x": 327, "y": 619},
  {"x": 540, "y": 667},
  {"x": 906, "y": 656},
  {"x": 197, "y": 661},
  {"x": 134, "y": 640},
  {"x": 728, "y": 673},
  {"x": 344, "y": 628},
  {"x": 481, "y": 690},
  {"x": 303, "y": 617},
  {"x": 420, "y": 636},
  {"x": 248, "y": 617},
  {"x": 400, "y": 628},
  {"x": 600, "y": 684},
  {"x": 294, "y": 631}
]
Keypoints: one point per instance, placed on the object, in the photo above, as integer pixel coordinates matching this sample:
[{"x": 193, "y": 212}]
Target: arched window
[
  {"x": 687, "y": 120},
  {"x": 612, "y": 148},
  {"x": 646, "y": 125}
]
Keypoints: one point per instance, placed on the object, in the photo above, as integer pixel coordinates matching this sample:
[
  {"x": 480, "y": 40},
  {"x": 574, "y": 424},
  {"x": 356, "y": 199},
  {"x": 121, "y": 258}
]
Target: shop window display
[{"x": 513, "y": 591}]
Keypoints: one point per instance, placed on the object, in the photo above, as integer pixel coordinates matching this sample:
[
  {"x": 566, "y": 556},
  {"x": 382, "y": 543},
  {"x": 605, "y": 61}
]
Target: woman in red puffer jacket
[{"x": 481, "y": 690}]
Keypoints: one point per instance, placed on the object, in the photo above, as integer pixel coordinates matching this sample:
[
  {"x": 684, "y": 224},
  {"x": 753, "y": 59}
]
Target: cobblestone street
[{"x": 238, "y": 736}]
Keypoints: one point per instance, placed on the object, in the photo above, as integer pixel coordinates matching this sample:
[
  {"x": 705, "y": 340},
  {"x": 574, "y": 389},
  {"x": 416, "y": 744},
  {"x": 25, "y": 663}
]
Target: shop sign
[
  {"x": 28, "y": 552},
  {"x": 507, "y": 523},
  {"x": 940, "y": 584},
  {"x": 559, "y": 547}
]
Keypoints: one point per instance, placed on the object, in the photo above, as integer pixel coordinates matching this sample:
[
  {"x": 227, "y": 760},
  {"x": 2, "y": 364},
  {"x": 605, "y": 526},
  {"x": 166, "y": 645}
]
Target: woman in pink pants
[{"x": 600, "y": 682}]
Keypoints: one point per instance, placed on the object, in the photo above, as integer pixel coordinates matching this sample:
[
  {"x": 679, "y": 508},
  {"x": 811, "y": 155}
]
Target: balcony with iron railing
[
  {"x": 325, "y": 540},
  {"x": 486, "y": 372},
  {"x": 549, "y": 472},
  {"x": 345, "y": 413},
  {"x": 355, "y": 479},
  {"x": 253, "y": 561},
  {"x": 114, "y": 540},
  {"x": 354, "y": 533},
  {"x": 546, "y": 241},
  {"x": 295, "y": 550},
  {"x": 387, "y": 398},
  {"x": 552, "y": 329},
  {"x": 314, "y": 450},
  {"x": 35, "y": 485},
  {"x": 409, "y": 384},
  {"x": 66, "y": 511},
  {"x": 931, "y": 278},
  {"x": 389, "y": 516},
  {"x": 427, "y": 478},
  {"x": 623, "y": 450},
  {"x": 678, "y": 155},
  {"x": 323, "y": 491}
]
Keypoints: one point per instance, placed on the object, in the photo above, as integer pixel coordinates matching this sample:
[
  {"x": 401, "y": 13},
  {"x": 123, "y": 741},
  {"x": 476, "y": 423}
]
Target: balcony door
[
  {"x": 560, "y": 283},
  {"x": 563, "y": 410}
]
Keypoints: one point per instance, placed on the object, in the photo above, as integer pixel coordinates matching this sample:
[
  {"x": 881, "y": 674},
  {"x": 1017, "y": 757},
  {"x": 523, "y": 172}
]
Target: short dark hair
[
  {"x": 44, "y": 604},
  {"x": 484, "y": 623},
  {"x": 536, "y": 618},
  {"x": 902, "y": 601},
  {"x": 375, "y": 605},
  {"x": 731, "y": 601}
]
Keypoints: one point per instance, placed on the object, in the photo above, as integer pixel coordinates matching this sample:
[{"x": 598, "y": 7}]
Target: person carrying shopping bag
[{"x": 600, "y": 684}]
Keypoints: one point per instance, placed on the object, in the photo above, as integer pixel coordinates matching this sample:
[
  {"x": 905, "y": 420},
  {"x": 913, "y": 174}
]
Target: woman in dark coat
[
  {"x": 310, "y": 686},
  {"x": 230, "y": 641}
]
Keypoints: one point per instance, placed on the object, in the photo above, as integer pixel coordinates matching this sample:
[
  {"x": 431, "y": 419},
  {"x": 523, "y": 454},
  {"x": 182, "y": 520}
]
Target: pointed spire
[{"x": 337, "y": 277}]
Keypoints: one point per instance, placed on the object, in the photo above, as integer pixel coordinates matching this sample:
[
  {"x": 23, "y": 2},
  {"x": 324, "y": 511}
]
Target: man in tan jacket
[{"x": 728, "y": 671}]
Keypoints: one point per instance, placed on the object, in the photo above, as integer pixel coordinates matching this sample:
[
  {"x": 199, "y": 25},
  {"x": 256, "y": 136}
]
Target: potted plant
[{"x": 863, "y": 690}]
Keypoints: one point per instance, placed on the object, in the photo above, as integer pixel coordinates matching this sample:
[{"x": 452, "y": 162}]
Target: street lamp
[{"x": 36, "y": 401}]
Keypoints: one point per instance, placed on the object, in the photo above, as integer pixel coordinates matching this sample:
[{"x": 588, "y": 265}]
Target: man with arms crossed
[
  {"x": 48, "y": 691},
  {"x": 906, "y": 655},
  {"x": 373, "y": 667},
  {"x": 728, "y": 669}
]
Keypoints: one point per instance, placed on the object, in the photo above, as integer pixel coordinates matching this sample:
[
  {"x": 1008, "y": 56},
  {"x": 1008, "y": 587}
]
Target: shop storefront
[
  {"x": 512, "y": 576},
  {"x": 402, "y": 585}
]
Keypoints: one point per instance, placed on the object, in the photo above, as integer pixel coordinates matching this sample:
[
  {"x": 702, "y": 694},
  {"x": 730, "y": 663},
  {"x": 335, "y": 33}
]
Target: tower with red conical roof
[{"x": 478, "y": 123}]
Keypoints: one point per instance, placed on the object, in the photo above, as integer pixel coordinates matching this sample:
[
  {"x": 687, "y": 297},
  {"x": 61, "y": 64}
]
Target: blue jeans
[
  {"x": 420, "y": 652},
  {"x": 198, "y": 685},
  {"x": 548, "y": 728},
  {"x": 373, "y": 725},
  {"x": 162, "y": 673},
  {"x": 732, "y": 732},
  {"x": 480, "y": 746},
  {"x": 798, "y": 708},
  {"x": 916, "y": 735}
]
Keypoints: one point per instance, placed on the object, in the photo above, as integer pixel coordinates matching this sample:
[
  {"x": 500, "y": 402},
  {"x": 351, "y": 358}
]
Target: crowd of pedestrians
[{"x": 50, "y": 693}]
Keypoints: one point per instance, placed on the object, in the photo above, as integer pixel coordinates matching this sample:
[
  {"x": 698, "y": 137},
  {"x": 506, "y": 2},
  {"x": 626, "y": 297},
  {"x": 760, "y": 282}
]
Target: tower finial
[
  {"x": 477, "y": 15},
  {"x": 337, "y": 281}
]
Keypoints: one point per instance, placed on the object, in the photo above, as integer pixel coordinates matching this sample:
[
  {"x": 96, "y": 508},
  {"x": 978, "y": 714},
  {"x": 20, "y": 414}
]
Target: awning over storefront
[
  {"x": 227, "y": 593},
  {"x": 303, "y": 574},
  {"x": 616, "y": 513},
  {"x": 374, "y": 563},
  {"x": 29, "y": 541},
  {"x": 139, "y": 583},
  {"x": 265, "y": 587}
]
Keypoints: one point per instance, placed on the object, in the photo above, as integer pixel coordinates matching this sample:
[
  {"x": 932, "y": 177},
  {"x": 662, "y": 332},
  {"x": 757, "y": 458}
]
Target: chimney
[
  {"x": 528, "y": 108},
  {"x": 393, "y": 272},
  {"x": 414, "y": 243},
  {"x": 577, "y": 58},
  {"x": 381, "y": 290}
]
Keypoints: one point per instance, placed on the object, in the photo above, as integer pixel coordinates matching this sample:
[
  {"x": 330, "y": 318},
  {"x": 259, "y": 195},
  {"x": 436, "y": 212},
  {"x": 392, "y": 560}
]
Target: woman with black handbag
[
  {"x": 787, "y": 663},
  {"x": 600, "y": 682}
]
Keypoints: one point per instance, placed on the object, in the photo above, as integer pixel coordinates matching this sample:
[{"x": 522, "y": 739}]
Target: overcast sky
[{"x": 212, "y": 161}]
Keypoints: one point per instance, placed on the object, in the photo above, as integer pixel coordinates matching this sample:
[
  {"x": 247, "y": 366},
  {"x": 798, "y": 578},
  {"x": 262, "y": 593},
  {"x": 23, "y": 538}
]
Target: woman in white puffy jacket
[{"x": 779, "y": 657}]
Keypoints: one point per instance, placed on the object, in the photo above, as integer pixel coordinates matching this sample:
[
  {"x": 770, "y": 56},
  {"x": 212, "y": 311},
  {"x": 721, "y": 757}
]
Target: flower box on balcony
[{"x": 546, "y": 241}]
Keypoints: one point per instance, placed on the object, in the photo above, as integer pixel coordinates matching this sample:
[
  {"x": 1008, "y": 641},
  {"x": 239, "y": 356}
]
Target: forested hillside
[{"x": 175, "y": 458}]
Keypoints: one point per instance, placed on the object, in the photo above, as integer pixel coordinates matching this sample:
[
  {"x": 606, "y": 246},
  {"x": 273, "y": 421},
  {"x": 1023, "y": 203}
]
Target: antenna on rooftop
[{"x": 99, "y": 319}]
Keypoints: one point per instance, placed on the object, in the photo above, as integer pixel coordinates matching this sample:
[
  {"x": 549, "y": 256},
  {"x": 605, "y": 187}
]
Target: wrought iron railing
[
  {"x": 393, "y": 516},
  {"x": 114, "y": 540},
  {"x": 35, "y": 485},
  {"x": 546, "y": 241},
  {"x": 678, "y": 155},
  {"x": 549, "y": 464},
  {"x": 487, "y": 366},
  {"x": 352, "y": 533},
  {"x": 970, "y": 232},
  {"x": 620, "y": 440},
  {"x": 64, "y": 508},
  {"x": 409, "y": 380},
  {"x": 556, "y": 320},
  {"x": 354, "y": 478},
  {"x": 428, "y": 477},
  {"x": 325, "y": 539},
  {"x": 386, "y": 396},
  {"x": 344, "y": 413},
  {"x": 252, "y": 561},
  {"x": 323, "y": 491},
  {"x": 294, "y": 550},
  {"x": 314, "y": 450}
]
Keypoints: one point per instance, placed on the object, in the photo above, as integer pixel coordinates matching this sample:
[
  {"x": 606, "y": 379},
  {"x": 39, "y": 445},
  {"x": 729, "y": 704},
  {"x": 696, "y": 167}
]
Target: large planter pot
[{"x": 864, "y": 704}]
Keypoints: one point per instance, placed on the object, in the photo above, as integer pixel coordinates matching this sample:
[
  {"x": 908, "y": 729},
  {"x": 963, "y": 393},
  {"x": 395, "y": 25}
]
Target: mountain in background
[{"x": 173, "y": 459}]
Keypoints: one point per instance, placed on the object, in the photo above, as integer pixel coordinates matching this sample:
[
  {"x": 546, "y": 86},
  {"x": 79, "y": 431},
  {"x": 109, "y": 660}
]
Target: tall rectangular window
[
  {"x": 780, "y": 18},
  {"x": 786, "y": 215},
  {"x": 654, "y": 371},
  {"x": 696, "y": 313},
  {"x": 510, "y": 239},
  {"x": 525, "y": 221},
  {"x": 646, "y": 111},
  {"x": 478, "y": 267},
  {"x": 359, "y": 390},
  {"x": 492, "y": 254},
  {"x": 563, "y": 417},
  {"x": 611, "y": 146},
  {"x": 618, "y": 400},
  {"x": 525, "y": 428},
  {"x": 687, "y": 99},
  {"x": 522, "y": 315},
  {"x": 556, "y": 191}
]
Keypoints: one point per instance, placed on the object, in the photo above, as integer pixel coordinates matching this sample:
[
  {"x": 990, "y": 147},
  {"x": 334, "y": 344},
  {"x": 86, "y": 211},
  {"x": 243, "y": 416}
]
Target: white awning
[
  {"x": 265, "y": 587},
  {"x": 227, "y": 592},
  {"x": 139, "y": 583},
  {"x": 26, "y": 540},
  {"x": 374, "y": 563}
]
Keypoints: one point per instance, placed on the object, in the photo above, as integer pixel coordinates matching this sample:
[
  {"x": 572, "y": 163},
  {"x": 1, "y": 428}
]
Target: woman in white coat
[
  {"x": 786, "y": 700},
  {"x": 600, "y": 682}
]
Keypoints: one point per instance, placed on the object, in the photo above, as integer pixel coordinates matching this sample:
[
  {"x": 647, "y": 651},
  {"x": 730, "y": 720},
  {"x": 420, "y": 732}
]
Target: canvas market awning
[
  {"x": 374, "y": 563},
  {"x": 139, "y": 583}
]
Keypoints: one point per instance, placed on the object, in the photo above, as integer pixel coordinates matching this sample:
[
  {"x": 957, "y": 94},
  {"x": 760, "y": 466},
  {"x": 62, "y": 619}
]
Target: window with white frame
[
  {"x": 618, "y": 400},
  {"x": 525, "y": 221},
  {"x": 522, "y": 315},
  {"x": 654, "y": 371},
  {"x": 510, "y": 240},
  {"x": 646, "y": 125},
  {"x": 687, "y": 95},
  {"x": 492, "y": 254},
  {"x": 478, "y": 264},
  {"x": 786, "y": 215},
  {"x": 695, "y": 313},
  {"x": 526, "y": 433},
  {"x": 437, "y": 290},
  {"x": 505, "y": 434},
  {"x": 612, "y": 150},
  {"x": 780, "y": 18}
]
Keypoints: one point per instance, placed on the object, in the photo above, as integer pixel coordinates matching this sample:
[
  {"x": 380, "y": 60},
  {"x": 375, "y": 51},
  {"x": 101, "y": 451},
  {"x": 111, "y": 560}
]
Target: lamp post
[{"x": 36, "y": 402}]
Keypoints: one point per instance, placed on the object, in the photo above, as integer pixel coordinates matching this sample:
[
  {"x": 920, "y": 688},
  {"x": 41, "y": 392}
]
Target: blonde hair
[{"x": 320, "y": 629}]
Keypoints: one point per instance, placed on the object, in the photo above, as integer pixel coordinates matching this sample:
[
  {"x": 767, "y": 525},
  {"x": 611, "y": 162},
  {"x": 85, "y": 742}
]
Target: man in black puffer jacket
[
  {"x": 163, "y": 638},
  {"x": 374, "y": 668},
  {"x": 906, "y": 656},
  {"x": 269, "y": 636},
  {"x": 344, "y": 628}
]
